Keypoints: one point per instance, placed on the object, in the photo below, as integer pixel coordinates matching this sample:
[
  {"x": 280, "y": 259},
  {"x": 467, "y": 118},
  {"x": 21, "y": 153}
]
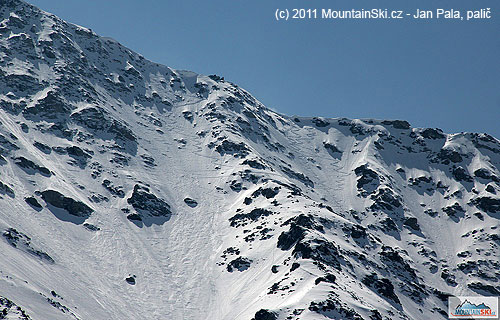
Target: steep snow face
[{"x": 129, "y": 190}]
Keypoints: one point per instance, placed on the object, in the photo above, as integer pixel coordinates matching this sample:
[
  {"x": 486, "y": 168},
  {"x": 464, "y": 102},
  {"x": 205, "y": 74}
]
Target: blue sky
[{"x": 433, "y": 73}]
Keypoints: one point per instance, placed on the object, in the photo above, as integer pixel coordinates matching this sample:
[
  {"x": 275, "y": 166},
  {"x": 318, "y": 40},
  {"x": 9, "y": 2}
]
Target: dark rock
[
  {"x": 432, "y": 133},
  {"x": 22, "y": 242},
  {"x": 264, "y": 314},
  {"x": 298, "y": 227},
  {"x": 98, "y": 198},
  {"x": 485, "y": 141},
  {"x": 216, "y": 78},
  {"x": 78, "y": 153},
  {"x": 30, "y": 167},
  {"x": 242, "y": 219},
  {"x": 12, "y": 236},
  {"x": 59, "y": 129},
  {"x": 254, "y": 164},
  {"x": 247, "y": 175},
  {"x": 5, "y": 189},
  {"x": 487, "y": 204},
  {"x": 24, "y": 127},
  {"x": 319, "y": 250},
  {"x": 331, "y": 148},
  {"x": 398, "y": 124},
  {"x": 412, "y": 223},
  {"x": 357, "y": 129},
  {"x": 236, "y": 186},
  {"x": 486, "y": 174},
  {"x": 99, "y": 121},
  {"x": 6, "y": 146},
  {"x": 58, "y": 305},
  {"x": 231, "y": 251},
  {"x": 19, "y": 83},
  {"x": 484, "y": 289},
  {"x": 329, "y": 278},
  {"x": 16, "y": 21},
  {"x": 91, "y": 227},
  {"x": 33, "y": 202},
  {"x": 59, "y": 150},
  {"x": 9, "y": 307},
  {"x": 383, "y": 286},
  {"x": 287, "y": 239},
  {"x": 240, "y": 264},
  {"x": 148, "y": 161},
  {"x": 332, "y": 306},
  {"x": 298, "y": 176},
  {"x": 443, "y": 296},
  {"x": 375, "y": 315},
  {"x": 147, "y": 203},
  {"x": 120, "y": 159},
  {"x": 130, "y": 280},
  {"x": 356, "y": 231},
  {"x": 419, "y": 180},
  {"x": 320, "y": 123},
  {"x": 479, "y": 215},
  {"x": 115, "y": 190},
  {"x": 385, "y": 199},
  {"x": 448, "y": 277},
  {"x": 43, "y": 147},
  {"x": 388, "y": 225},
  {"x": 73, "y": 207},
  {"x": 441, "y": 185},
  {"x": 49, "y": 53},
  {"x": 190, "y": 202},
  {"x": 431, "y": 212},
  {"x": 489, "y": 188},
  {"x": 453, "y": 210},
  {"x": 393, "y": 259},
  {"x": 461, "y": 174},
  {"x": 268, "y": 193},
  {"x": 366, "y": 175},
  {"x": 134, "y": 217},
  {"x": 446, "y": 156},
  {"x": 188, "y": 115},
  {"x": 327, "y": 207},
  {"x": 49, "y": 108},
  {"x": 236, "y": 149}
]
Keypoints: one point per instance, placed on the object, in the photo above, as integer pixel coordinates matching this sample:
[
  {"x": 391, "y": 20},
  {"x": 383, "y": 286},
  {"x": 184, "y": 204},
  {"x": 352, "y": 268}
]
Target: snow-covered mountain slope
[{"x": 130, "y": 190}]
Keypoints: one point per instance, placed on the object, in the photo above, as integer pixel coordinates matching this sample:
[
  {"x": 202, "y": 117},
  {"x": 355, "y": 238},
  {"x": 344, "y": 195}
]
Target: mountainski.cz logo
[{"x": 473, "y": 307}]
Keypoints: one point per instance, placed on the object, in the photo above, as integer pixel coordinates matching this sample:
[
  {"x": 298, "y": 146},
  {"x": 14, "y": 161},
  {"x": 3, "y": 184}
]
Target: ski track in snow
[{"x": 294, "y": 218}]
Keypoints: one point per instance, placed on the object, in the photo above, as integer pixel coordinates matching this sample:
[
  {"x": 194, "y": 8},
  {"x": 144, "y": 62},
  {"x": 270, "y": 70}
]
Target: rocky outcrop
[
  {"x": 73, "y": 207},
  {"x": 147, "y": 204},
  {"x": 22, "y": 242}
]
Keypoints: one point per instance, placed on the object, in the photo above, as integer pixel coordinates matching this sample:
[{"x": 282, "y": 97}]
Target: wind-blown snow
[{"x": 130, "y": 190}]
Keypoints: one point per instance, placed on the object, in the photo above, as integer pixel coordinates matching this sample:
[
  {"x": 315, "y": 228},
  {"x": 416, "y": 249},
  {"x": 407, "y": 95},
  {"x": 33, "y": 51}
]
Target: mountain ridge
[{"x": 131, "y": 190}]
